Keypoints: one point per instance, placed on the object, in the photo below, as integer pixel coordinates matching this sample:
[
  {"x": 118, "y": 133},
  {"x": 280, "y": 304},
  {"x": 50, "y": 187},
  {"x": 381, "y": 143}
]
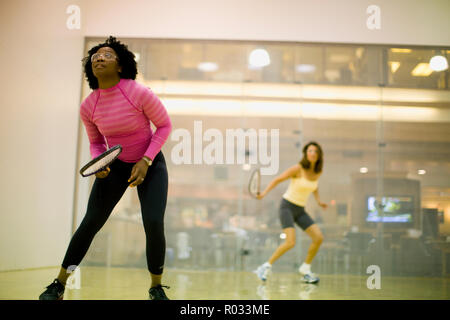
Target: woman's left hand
[
  {"x": 138, "y": 173},
  {"x": 323, "y": 205}
]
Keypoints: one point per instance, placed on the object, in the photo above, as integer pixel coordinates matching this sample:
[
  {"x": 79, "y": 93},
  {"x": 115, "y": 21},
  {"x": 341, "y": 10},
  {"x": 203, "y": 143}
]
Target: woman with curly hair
[
  {"x": 304, "y": 178},
  {"x": 119, "y": 111}
]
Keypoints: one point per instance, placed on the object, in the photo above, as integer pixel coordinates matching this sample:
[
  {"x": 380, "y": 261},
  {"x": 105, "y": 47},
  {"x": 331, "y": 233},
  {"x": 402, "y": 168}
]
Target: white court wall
[
  {"x": 415, "y": 22},
  {"x": 41, "y": 72},
  {"x": 40, "y": 93}
]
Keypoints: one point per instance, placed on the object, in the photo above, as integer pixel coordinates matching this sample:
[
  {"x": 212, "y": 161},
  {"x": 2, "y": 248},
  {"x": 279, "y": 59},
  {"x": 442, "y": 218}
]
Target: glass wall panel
[
  {"x": 410, "y": 67},
  {"x": 384, "y": 129}
]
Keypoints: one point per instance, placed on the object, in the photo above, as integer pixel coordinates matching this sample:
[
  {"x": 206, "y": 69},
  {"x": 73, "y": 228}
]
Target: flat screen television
[{"x": 396, "y": 210}]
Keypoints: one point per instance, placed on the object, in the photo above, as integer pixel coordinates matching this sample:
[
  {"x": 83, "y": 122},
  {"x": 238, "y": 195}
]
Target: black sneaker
[
  {"x": 157, "y": 293},
  {"x": 55, "y": 291}
]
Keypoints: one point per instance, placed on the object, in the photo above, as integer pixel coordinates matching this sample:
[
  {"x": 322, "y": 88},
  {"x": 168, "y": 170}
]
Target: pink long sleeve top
[{"x": 122, "y": 115}]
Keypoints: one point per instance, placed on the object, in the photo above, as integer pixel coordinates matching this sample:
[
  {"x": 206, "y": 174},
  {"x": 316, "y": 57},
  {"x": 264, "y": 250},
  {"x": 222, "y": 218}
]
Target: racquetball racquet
[
  {"x": 101, "y": 162},
  {"x": 254, "y": 184}
]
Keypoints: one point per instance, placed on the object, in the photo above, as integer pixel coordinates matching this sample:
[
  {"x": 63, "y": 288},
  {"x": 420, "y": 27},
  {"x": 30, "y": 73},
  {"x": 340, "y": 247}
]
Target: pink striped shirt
[{"x": 122, "y": 115}]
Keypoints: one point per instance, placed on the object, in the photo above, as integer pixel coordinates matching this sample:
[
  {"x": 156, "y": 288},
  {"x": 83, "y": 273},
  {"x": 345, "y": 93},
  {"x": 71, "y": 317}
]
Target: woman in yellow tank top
[{"x": 304, "y": 181}]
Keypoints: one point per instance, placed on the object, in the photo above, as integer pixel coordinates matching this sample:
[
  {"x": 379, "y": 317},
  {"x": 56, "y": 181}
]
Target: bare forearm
[
  {"x": 289, "y": 173},
  {"x": 320, "y": 203},
  {"x": 271, "y": 185},
  {"x": 317, "y": 197}
]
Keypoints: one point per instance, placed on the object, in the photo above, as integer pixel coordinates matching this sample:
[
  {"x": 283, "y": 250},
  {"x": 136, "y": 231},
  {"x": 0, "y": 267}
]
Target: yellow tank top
[{"x": 299, "y": 190}]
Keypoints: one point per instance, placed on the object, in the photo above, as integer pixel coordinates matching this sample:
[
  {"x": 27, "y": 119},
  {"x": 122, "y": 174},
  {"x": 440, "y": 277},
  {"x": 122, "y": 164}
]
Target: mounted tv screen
[{"x": 395, "y": 210}]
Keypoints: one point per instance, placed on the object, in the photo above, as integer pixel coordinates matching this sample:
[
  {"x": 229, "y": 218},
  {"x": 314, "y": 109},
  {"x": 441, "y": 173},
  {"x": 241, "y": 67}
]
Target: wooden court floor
[{"x": 99, "y": 283}]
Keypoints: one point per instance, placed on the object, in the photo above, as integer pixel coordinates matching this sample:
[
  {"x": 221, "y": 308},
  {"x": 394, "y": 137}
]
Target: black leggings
[{"x": 104, "y": 196}]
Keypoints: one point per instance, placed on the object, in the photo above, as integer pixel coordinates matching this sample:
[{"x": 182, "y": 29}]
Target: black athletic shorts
[{"x": 290, "y": 213}]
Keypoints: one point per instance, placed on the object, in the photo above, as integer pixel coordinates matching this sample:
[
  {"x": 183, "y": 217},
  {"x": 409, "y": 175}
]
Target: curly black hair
[{"x": 124, "y": 56}]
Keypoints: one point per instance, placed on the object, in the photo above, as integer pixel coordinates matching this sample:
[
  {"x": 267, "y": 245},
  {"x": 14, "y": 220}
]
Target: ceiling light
[
  {"x": 394, "y": 66},
  {"x": 400, "y": 50},
  {"x": 422, "y": 70},
  {"x": 359, "y": 53},
  {"x": 305, "y": 68},
  {"x": 363, "y": 170},
  {"x": 259, "y": 58},
  {"x": 421, "y": 171},
  {"x": 339, "y": 58},
  {"x": 438, "y": 63},
  {"x": 207, "y": 66}
]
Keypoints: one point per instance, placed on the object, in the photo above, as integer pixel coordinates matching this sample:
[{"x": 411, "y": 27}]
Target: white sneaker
[
  {"x": 310, "y": 278},
  {"x": 263, "y": 271},
  {"x": 304, "y": 270}
]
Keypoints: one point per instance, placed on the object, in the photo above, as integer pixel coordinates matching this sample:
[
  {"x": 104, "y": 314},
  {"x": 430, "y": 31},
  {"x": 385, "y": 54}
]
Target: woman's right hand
[
  {"x": 260, "y": 195},
  {"x": 103, "y": 174}
]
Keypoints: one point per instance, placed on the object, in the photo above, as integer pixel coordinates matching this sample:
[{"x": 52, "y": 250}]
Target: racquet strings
[{"x": 101, "y": 163}]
